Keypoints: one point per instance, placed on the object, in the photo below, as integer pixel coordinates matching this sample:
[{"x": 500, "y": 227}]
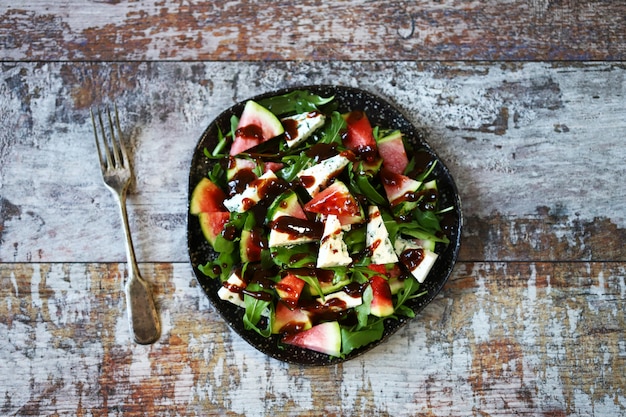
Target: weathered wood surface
[
  {"x": 531, "y": 322},
  {"x": 504, "y": 338},
  {"x": 305, "y": 30}
]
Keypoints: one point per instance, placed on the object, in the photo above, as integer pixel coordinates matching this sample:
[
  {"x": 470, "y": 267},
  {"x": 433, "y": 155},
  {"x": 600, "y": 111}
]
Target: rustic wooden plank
[
  {"x": 344, "y": 30},
  {"x": 535, "y": 149},
  {"x": 503, "y": 338}
]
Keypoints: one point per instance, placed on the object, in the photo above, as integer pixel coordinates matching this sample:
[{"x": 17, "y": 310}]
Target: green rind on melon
[
  {"x": 261, "y": 119},
  {"x": 287, "y": 203},
  {"x": 207, "y": 197},
  {"x": 212, "y": 224},
  {"x": 324, "y": 338},
  {"x": 288, "y": 320}
]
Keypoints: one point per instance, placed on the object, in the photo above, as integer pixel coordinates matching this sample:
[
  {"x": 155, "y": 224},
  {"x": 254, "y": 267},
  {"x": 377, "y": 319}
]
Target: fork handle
[{"x": 142, "y": 315}]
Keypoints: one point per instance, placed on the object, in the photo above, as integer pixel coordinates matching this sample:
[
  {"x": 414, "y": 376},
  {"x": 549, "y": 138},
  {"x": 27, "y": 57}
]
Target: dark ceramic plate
[{"x": 381, "y": 113}]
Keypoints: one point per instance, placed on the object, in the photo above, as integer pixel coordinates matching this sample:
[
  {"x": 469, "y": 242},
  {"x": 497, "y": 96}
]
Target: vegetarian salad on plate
[{"x": 322, "y": 225}]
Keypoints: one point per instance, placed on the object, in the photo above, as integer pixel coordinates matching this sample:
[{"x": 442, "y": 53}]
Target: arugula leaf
[
  {"x": 360, "y": 184},
  {"x": 293, "y": 165},
  {"x": 363, "y": 311},
  {"x": 234, "y": 122},
  {"x": 297, "y": 256},
  {"x": 354, "y": 339},
  {"x": 255, "y": 309},
  {"x": 408, "y": 292},
  {"x": 332, "y": 133},
  {"x": 313, "y": 282},
  {"x": 298, "y": 101}
]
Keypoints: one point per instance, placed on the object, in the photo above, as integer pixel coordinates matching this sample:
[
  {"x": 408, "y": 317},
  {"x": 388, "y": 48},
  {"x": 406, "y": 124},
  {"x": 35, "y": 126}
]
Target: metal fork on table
[{"x": 116, "y": 173}]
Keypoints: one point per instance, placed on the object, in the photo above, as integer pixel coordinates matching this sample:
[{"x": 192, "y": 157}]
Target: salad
[{"x": 323, "y": 226}]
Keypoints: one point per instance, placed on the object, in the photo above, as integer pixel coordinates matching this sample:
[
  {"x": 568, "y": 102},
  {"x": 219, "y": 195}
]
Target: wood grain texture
[
  {"x": 503, "y": 338},
  {"x": 312, "y": 30},
  {"x": 535, "y": 149}
]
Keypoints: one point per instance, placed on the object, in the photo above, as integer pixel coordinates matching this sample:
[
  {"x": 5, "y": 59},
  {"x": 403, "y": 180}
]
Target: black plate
[{"x": 381, "y": 113}]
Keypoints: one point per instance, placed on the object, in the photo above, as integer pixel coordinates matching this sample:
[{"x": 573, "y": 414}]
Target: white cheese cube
[
  {"x": 339, "y": 301},
  {"x": 231, "y": 290},
  {"x": 318, "y": 175},
  {"x": 377, "y": 239},
  {"x": 416, "y": 258},
  {"x": 305, "y": 125},
  {"x": 333, "y": 250},
  {"x": 242, "y": 202},
  {"x": 278, "y": 238}
]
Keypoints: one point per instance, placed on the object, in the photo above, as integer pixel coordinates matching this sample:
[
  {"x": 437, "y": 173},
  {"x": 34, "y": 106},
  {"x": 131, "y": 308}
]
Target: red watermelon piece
[
  {"x": 288, "y": 320},
  {"x": 256, "y": 125},
  {"x": 359, "y": 135},
  {"x": 336, "y": 199},
  {"x": 289, "y": 289},
  {"x": 207, "y": 197},
  {"x": 398, "y": 187},
  {"x": 324, "y": 338},
  {"x": 382, "y": 303},
  {"x": 391, "y": 149},
  {"x": 212, "y": 224}
]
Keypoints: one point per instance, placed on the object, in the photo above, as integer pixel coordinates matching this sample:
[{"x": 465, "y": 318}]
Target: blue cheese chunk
[
  {"x": 318, "y": 175},
  {"x": 339, "y": 301},
  {"x": 231, "y": 290},
  {"x": 299, "y": 127},
  {"x": 333, "y": 250},
  {"x": 245, "y": 200},
  {"x": 377, "y": 239},
  {"x": 277, "y": 238},
  {"x": 415, "y": 257}
]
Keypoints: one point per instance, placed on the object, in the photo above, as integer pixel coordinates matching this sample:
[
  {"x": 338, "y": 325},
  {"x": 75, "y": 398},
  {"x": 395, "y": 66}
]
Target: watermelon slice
[
  {"x": 289, "y": 289},
  {"x": 256, "y": 125},
  {"x": 251, "y": 245},
  {"x": 212, "y": 224},
  {"x": 391, "y": 149},
  {"x": 207, "y": 198},
  {"x": 324, "y": 338},
  {"x": 287, "y": 203},
  {"x": 336, "y": 199},
  {"x": 288, "y": 320},
  {"x": 359, "y": 136},
  {"x": 382, "y": 303},
  {"x": 399, "y": 188}
]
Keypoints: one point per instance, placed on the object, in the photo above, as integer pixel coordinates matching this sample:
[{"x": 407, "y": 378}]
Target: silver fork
[{"x": 116, "y": 173}]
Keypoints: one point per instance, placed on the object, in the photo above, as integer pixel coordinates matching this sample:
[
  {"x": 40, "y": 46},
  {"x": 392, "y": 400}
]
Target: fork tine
[
  {"x": 121, "y": 137},
  {"x": 107, "y": 152},
  {"x": 95, "y": 134},
  {"x": 116, "y": 140}
]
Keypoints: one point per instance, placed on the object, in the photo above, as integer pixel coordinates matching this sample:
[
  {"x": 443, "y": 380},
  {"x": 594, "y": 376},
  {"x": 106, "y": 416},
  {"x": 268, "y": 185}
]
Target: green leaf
[
  {"x": 297, "y": 256},
  {"x": 218, "y": 175},
  {"x": 298, "y": 101},
  {"x": 221, "y": 144},
  {"x": 332, "y": 133},
  {"x": 363, "y": 310},
  {"x": 361, "y": 185},
  {"x": 234, "y": 122},
  {"x": 410, "y": 291},
  {"x": 293, "y": 165},
  {"x": 354, "y": 339},
  {"x": 313, "y": 282},
  {"x": 254, "y": 311}
]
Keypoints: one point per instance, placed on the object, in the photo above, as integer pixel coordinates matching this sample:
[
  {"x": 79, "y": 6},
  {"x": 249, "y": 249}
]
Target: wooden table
[{"x": 524, "y": 100}]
